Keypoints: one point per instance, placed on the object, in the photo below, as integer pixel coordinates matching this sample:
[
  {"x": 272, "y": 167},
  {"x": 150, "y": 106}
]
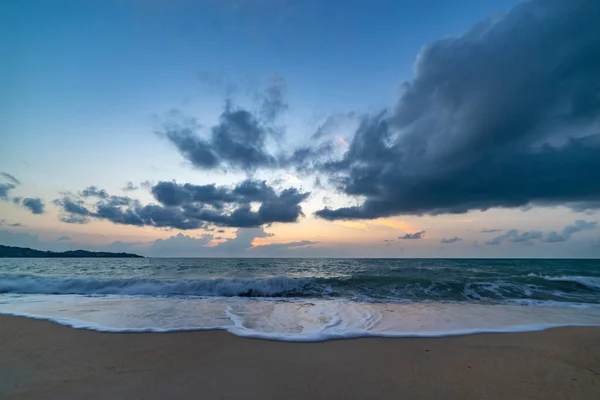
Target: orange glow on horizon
[
  {"x": 392, "y": 223},
  {"x": 352, "y": 224}
]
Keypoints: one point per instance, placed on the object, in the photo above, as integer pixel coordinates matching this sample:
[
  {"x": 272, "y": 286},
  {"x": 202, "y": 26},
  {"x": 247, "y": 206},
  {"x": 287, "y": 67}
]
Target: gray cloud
[
  {"x": 35, "y": 205},
  {"x": 414, "y": 235},
  {"x": 180, "y": 245},
  {"x": 273, "y": 100},
  {"x": 4, "y": 223},
  {"x": 528, "y": 237},
  {"x": 514, "y": 236},
  {"x": 63, "y": 239},
  {"x": 187, "y": 206},
  {"x": 490, "y": 230},
  {"x": 93, "y": 191},
  {"x": 455, "y": 239},
  {"x": 10, "y": 178},
  {"x": 5, "y": 188},
  {"x": 578, "y": 226},
  {"x": 239, "y": 141},
  {"x": 504, "y": 116},
  {"x": 241, "y": 245},
  {"x": 129, "y": 187}
]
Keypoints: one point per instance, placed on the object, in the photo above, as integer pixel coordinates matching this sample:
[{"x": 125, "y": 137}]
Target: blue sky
[{"x": 87, "y": 86}]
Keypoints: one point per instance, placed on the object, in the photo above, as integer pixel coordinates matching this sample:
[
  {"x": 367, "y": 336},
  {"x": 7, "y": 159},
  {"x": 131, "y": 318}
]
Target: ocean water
[{"x": 305, "y": 299}]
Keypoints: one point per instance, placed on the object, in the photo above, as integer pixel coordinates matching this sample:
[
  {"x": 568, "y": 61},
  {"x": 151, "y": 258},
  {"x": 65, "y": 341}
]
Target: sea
[{"x": 304, "y": 299}]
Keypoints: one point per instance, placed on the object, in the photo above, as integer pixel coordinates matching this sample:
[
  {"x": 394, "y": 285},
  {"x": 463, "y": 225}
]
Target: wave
[
  {"x": 367, "y": 288},
  {"x": 260, "y": 287},
  {"x": 592, "y": 282}
]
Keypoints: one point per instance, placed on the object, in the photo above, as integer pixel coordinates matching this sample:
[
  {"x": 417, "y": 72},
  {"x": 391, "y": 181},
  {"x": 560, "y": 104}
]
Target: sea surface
[{"x": 305, "y": 299}]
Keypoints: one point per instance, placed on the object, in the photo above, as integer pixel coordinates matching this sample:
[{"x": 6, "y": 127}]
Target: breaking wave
[
  {"x": 529, "y": 287},
  {"x": 587, "y": 281},
  {"x": 265, "y": 287}
]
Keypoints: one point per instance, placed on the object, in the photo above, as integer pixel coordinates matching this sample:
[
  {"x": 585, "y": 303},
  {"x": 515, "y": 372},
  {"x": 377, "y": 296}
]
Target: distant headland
[{"x": 25, "y": 252}]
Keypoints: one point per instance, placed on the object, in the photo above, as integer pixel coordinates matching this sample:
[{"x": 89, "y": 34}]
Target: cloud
[
  {"x": 239, "y": 141},
  {"x": 514, "y": 236},
  {"x": 273, "y": 100},
  {"x": 279, "y": 249},
  {"x": 5, "y": 188},
  {"x": 455, "y": 239},
  {"x": 4, "y": 223},
  {"x": 188, "y": 206},
  {"x": 414, "y": 235},
  {"x": 10, "y": 178},
  {"x": 35, "y": 205},
  {"x": 490, "y": 230},
  {"x": 505, "y": 115},
  {"x": 180, "y": 245},
  {"x": 528, "y": 237},
  {"x": 129, "y": 187},
  {"x": 93, "y": 191},
  {"x": 578, "y": 226}
]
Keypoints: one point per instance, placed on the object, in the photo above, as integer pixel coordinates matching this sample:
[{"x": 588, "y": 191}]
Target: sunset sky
[{"x": 266, "y": 128}]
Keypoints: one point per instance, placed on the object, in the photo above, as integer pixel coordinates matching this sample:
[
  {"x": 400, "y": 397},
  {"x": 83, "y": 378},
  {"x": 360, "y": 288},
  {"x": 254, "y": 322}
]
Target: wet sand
[{"x": 43, "y": 360}]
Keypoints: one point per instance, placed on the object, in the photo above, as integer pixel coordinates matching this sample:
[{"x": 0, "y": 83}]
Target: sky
[{"x": 287, "y": 128}]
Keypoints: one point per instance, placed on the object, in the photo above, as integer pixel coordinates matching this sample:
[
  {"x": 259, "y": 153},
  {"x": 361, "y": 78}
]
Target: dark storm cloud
[
  {"x": 174, "y": 194},
  {"x": 455, "y": 239},
  {"x": 10, "y": 178},
  {"x": 414, "y": 235},
  {"x": 528, "y": 237},
  {"x": 187, "y": 206},
  {"x": 35, "y": 205},
  {"x": 503, "y": 116}
]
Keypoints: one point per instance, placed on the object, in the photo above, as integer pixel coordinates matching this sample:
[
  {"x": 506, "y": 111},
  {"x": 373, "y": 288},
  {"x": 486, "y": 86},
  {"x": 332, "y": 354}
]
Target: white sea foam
[
  {"x": 293, "y": 320},
  {"x": 588, "y": 281}
]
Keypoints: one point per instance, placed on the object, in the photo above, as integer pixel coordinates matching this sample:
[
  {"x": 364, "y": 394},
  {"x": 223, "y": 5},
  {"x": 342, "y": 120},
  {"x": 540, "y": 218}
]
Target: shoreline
[
  {"x": 80, "y": 325},
  {"x": 42, "y": 359}
]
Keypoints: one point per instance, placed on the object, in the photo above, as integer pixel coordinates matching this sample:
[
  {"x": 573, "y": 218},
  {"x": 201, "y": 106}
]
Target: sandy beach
[{"x": 43, "y": 360}]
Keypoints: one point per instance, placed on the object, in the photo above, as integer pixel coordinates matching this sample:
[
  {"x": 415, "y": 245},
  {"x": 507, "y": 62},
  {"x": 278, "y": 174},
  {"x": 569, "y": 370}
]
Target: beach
[{"x": 44, "y": 360}]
